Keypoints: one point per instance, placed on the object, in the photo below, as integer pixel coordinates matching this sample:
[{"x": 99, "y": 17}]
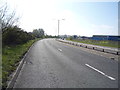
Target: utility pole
[{"x": 58, "y": 27}]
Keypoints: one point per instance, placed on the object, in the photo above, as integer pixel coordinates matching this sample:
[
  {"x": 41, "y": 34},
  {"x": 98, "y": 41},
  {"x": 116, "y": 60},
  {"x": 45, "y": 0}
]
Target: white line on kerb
[
  {"x": 60, "y": 49},
  {"x": 100, "y": 72}
]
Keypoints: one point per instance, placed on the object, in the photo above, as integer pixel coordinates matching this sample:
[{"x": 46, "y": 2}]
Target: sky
[{"x": 77, "y": 17}]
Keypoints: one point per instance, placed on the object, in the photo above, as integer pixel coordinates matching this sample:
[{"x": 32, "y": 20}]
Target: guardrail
[{"x": 93, "y": 47}]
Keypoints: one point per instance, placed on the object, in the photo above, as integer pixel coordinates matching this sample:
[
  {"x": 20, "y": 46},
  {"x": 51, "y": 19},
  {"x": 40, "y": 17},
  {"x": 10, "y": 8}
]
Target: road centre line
[
  {"x": 100, "y": 72},
  {"x": 60, "y": 49}
]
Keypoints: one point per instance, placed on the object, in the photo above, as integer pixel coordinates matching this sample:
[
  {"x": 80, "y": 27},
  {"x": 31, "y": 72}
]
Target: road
[{"x": 52, "y": 64}]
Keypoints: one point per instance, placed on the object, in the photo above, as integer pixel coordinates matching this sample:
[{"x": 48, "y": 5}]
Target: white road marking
[
  {"x": 60, "y": 49},
  {"x": 100, "y": 72}
]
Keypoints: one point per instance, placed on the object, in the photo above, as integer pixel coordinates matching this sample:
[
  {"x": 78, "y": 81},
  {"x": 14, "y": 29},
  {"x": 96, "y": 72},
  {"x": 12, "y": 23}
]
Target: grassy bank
[
  {"x": 99, "y": 43},
  {"x": 11, "y": 55}
]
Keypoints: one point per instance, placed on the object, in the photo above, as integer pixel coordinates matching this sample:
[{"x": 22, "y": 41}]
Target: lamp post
[{"x": 59, "y": 26}]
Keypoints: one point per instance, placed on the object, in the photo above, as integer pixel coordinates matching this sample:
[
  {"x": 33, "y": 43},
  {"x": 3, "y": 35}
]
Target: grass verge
[
  {"x": 107, "y": 43},
  {"x": 11, "y": 56}
]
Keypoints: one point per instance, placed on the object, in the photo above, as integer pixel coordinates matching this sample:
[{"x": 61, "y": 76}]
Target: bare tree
[{"x": 6, "y": 18}]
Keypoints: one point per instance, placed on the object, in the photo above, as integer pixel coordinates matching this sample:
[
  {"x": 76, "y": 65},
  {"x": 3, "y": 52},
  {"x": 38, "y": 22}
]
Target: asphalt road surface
[{"x": 52, "y": 64}]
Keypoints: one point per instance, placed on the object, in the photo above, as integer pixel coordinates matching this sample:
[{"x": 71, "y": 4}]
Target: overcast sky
[{"x": 81, "y": 18}]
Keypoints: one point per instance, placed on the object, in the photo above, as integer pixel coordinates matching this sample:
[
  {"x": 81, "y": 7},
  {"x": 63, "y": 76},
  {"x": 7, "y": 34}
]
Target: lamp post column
[{"x": 58, "y": 27}]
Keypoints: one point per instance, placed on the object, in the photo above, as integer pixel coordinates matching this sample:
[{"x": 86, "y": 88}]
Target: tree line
[{"x": 11, "y": 33}]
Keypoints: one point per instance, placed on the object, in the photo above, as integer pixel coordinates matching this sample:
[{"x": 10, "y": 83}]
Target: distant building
[
  {"x": 105, "y": 37},
  {"x": 84, "y": 37},
  {"x": 63, "y": 36},
  {"x": 75, "y": 36}
]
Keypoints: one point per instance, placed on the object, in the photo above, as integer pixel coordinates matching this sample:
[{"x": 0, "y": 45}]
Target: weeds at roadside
[{"x": 11, "y": 56}]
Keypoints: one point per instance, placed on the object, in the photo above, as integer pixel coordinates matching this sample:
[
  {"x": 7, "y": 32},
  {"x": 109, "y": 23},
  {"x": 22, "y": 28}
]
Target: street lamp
[{"x": 58, "y": 26}]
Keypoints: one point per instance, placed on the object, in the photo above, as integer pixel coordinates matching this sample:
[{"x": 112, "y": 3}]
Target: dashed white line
[
  {"x": 100, "y": 72},
  {"x": 60, "y": 49}
]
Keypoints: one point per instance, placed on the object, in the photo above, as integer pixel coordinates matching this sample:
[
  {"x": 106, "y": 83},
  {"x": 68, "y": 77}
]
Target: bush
[
  {"x": 71, "y": 38},
  {"x": 15, "y": 35}
]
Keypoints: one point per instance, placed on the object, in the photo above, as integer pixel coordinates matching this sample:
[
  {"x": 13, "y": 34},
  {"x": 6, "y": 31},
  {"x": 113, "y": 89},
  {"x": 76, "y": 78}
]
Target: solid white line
[
  {"x": 100, "y": 72},
  {"x": 60, "y": 49}
]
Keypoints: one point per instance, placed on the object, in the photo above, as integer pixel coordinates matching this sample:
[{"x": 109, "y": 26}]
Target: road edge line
[{"x": 17, "y": 71}]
